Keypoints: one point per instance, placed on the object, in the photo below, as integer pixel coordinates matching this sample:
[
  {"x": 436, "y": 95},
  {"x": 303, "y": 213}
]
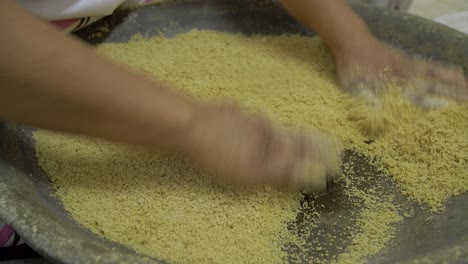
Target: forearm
[
  {"x": 53, "y": 81},
  {"x": 333, "y": 20}
]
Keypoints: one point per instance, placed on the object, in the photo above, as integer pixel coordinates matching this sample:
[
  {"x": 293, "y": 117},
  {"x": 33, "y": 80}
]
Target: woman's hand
[
  {"x": 365, "y": 69},
  {"x": 249, "y": 149},
  {"x": 364, "y": 63}
]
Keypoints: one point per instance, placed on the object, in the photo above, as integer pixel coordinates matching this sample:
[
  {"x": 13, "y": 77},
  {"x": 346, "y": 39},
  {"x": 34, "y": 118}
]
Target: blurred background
[
  {"x": 437, "y": 8},
  {"x": 453, "y": 13}
]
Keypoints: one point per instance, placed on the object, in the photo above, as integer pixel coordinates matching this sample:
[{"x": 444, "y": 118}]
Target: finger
[
  {"x": 316, "y": 158},
  {"x": 311, "y": 175},
  {"x": 446, "y": 82},
  {"x": 328, "y": 151},
  {"x": 333, "y": 158},
  {"x": 430, "y": 102},
  {"x": 464, "y": 97},
  {"x": 444, "y": 73},
  {"x": 274, "y": 159},
  {"x": 291, "y": 153}
]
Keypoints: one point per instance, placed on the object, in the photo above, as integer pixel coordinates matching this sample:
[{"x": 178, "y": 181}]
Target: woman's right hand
[
  {"x": 250, "y": 150},
  {"x": 365, "y": 71}
]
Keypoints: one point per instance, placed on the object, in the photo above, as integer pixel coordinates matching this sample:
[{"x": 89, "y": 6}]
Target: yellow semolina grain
[
  {"x": 296, "y": 87},
  {"x": 161, "y": 206},
  {"x": 428, "y": 158},
  {"x": 392, "y": 111},
  {"x": 158, "y": 205},
  {"x": 374, "y": 229}
]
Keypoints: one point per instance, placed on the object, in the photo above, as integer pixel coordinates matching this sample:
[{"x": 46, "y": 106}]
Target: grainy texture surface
[
  {"x": 26, "y": 199},
  {"x": 428, "y": 157},
  {"x": 161, "y": 206}
]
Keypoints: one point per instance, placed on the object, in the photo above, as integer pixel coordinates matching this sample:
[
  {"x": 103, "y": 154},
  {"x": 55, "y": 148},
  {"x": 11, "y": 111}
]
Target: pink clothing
[
  {"x": 6, "y": 234},
  {"x": 72, "y": 15}
]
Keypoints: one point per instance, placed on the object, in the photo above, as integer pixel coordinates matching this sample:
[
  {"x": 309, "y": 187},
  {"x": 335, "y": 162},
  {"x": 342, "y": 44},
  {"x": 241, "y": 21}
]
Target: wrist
[
  {"x": 353, "y": 43},
  {"x": 351, "y": 38},
  {"x": 188, "y": 140},
  {"x": 184, "y": 119}
]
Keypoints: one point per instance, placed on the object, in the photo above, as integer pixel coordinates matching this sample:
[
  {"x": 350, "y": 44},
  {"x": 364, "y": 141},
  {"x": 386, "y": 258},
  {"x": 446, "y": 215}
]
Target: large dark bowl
[{"x": 26, "y": 195}]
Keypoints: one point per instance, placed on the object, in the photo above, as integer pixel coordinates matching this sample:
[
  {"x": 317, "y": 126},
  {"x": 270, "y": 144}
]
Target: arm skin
[
  {"x": 333, "y": 20},
  {"x": 53, "y": 81},
  {"x": 361, "y": 58}
]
